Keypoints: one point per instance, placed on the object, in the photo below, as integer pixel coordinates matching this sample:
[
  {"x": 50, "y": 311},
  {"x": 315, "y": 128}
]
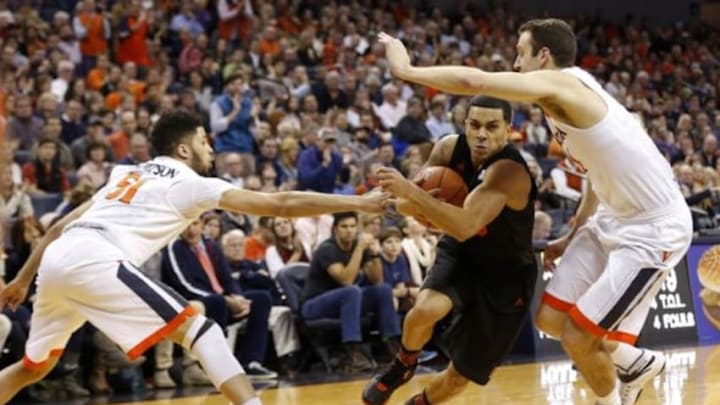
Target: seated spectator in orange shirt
[
  {"x": 256, "y": 245},
  {"x": 120, "y": 141},
  {"x": 44, "y": 174},
  {"x": 97, "y": 77}
]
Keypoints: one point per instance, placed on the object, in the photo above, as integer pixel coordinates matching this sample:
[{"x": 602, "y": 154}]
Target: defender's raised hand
[{"x": 396, "y": 54}]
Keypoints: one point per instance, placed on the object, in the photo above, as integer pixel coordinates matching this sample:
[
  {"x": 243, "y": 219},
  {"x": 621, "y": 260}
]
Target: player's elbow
[{"x": 469, "y": 228}]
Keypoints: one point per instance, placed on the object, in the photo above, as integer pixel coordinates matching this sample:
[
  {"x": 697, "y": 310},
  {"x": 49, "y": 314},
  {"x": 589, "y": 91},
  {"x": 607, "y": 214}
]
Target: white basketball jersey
[
  {"x": 628, "y": 174},
  {"x": 142, "y": 208}
]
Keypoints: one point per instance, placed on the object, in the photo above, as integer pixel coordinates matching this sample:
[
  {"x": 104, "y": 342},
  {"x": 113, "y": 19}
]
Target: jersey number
[{"x": 126, "y": 188}]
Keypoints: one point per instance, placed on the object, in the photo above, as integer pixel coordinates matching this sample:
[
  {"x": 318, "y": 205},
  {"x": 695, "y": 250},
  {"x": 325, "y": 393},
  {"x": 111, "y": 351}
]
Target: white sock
[
  {"x": 626, "y": 357},
  {"x": 254, "y": 401},
  {"x": 613, "y": 398}
]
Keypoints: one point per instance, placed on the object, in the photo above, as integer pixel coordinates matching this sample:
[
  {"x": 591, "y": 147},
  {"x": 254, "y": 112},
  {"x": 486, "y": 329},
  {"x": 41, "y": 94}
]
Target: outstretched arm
[
  {"x": 533, "y": 87},
  {"x": 291, "y": 204},
  {"x": 505, "y": 183}
]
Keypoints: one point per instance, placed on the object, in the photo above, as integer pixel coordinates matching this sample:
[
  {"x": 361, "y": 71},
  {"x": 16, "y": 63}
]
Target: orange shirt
[
  {"x": 269, "y": 47},
  {"x": 94, "y": 42},
  {"x": 120, "y": 144},
  {"x": 137, "y": 88},
  {"x": 134, "y": 48},
  {"x": 254, "y": 249},
  {"x": 95, "y": 79}
]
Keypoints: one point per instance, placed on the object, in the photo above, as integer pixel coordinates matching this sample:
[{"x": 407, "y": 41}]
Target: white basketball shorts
[
  {"x": 83, "y": 278},
  {"x": 613, "y": 268}
]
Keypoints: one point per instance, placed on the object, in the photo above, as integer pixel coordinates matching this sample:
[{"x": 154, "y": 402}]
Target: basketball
[{"x": 451, "y": 185}]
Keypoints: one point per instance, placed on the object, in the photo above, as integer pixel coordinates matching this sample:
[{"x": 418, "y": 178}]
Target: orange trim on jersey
[
  {"x": 585, "y": 323},
  {"x": 556, "y": 303},
  {"x": 161, "y": 333},
  {"x": 31, "y": 365},
  {"x": 623, "y": 337}
]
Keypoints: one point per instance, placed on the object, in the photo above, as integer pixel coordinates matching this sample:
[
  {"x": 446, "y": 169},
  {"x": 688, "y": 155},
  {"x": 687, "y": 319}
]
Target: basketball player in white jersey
[
  {"x": 87, "y": 263},
  {"x": 632, "y": 225}
]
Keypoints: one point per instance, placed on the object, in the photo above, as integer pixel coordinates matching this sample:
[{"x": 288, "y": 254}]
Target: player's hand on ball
[
  {"x": 13, "y": 294},
  {"x": 396, "y": 54},
  {"x": 394, "y": 182}
]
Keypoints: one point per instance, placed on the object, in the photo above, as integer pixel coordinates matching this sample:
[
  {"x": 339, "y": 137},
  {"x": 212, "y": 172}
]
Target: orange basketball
[{"x": 451, "y": 186}]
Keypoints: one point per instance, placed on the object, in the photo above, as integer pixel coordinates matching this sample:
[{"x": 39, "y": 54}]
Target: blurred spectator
[
  {"x": 230, "y": 118},
  {"x": 261, "y": 238},
  {"x": 132, "y": 33},
  {"x": 94, "y": 134},
  {"x": 396, "y": 270},
  {"x": 120, "y": 140},
  {"x": 72, "y": 125},
  {"x": 569, "y": 179},
  {"x": 93, "y": 29},
  {"x": 212, "y": 226},
  {"x": 52, "y": 130},
  {"x": 44, "y": 174},
  {"x": 542, "y": 226},
  {"x": 96, "y": 170},
  {"x": 236, "y": 18},
  {"x": 392, "y": 109},
  {"x": 15, "y": 204},
  {"x": 186, "y": 20},
  {"x": 438, "y": 123},
  {"x": 418, "y": 247},
  {"x": 139, "y": 150},
  {"x": 288, "y": 161},
  {"x": 411, "y": 129},
  {"x": 288, "y": 247},
  {"x": 319, "y": 164},
  {"x": 59, "y": 86},
  {"x": 23, "y": 125}
]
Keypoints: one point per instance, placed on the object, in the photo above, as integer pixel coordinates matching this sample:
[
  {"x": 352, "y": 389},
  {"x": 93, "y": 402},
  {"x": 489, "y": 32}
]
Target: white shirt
[
  {"x": 390, "y": 114},
  {"x": 144, "y": 207},
  {"x": 314, "y": 230},
  {"x": 627, "y": 172}
]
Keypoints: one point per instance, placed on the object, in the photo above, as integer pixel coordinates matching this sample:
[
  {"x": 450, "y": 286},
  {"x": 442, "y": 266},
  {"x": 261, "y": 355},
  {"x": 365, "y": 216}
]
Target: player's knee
[
  {"x": 426, "y": 312},
  {"x": 198, "y": 306},
  {"x": 190, "y": 331}
]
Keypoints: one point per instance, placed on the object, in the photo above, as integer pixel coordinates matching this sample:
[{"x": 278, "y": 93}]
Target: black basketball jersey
[{"x": 507, "y": 240}]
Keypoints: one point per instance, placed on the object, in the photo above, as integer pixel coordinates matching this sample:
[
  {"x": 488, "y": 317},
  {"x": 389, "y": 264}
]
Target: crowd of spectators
[{"x": 296, "y": 96}]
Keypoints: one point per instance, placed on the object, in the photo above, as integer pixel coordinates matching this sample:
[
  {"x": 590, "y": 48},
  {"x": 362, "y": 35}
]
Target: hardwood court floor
[{"x": 692, "y": 378}]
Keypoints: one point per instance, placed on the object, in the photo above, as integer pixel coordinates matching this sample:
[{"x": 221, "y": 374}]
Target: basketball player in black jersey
[{"x": 485, "y": 270}]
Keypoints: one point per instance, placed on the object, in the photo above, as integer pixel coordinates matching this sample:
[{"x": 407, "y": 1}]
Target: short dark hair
[
  {"x": 46, "y": 139},
  {"x": 234, "y": 76},
  {"x": 340, "y": 216},
  {"x": 494, "y": 103},
  {"x": 171, "y": 129},
  {"x": 554, "y": 34},
  {"x": 389, "y": 232},
  {"x": 92, "y": 146}
]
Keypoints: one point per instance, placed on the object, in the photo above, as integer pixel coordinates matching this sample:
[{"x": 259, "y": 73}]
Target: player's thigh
[
  {"x": 129, "y": 307},
  {"x": 580, "y": 267},
  {"x": 617, "y": 304},
  {"x": 53, "y": 321}
]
